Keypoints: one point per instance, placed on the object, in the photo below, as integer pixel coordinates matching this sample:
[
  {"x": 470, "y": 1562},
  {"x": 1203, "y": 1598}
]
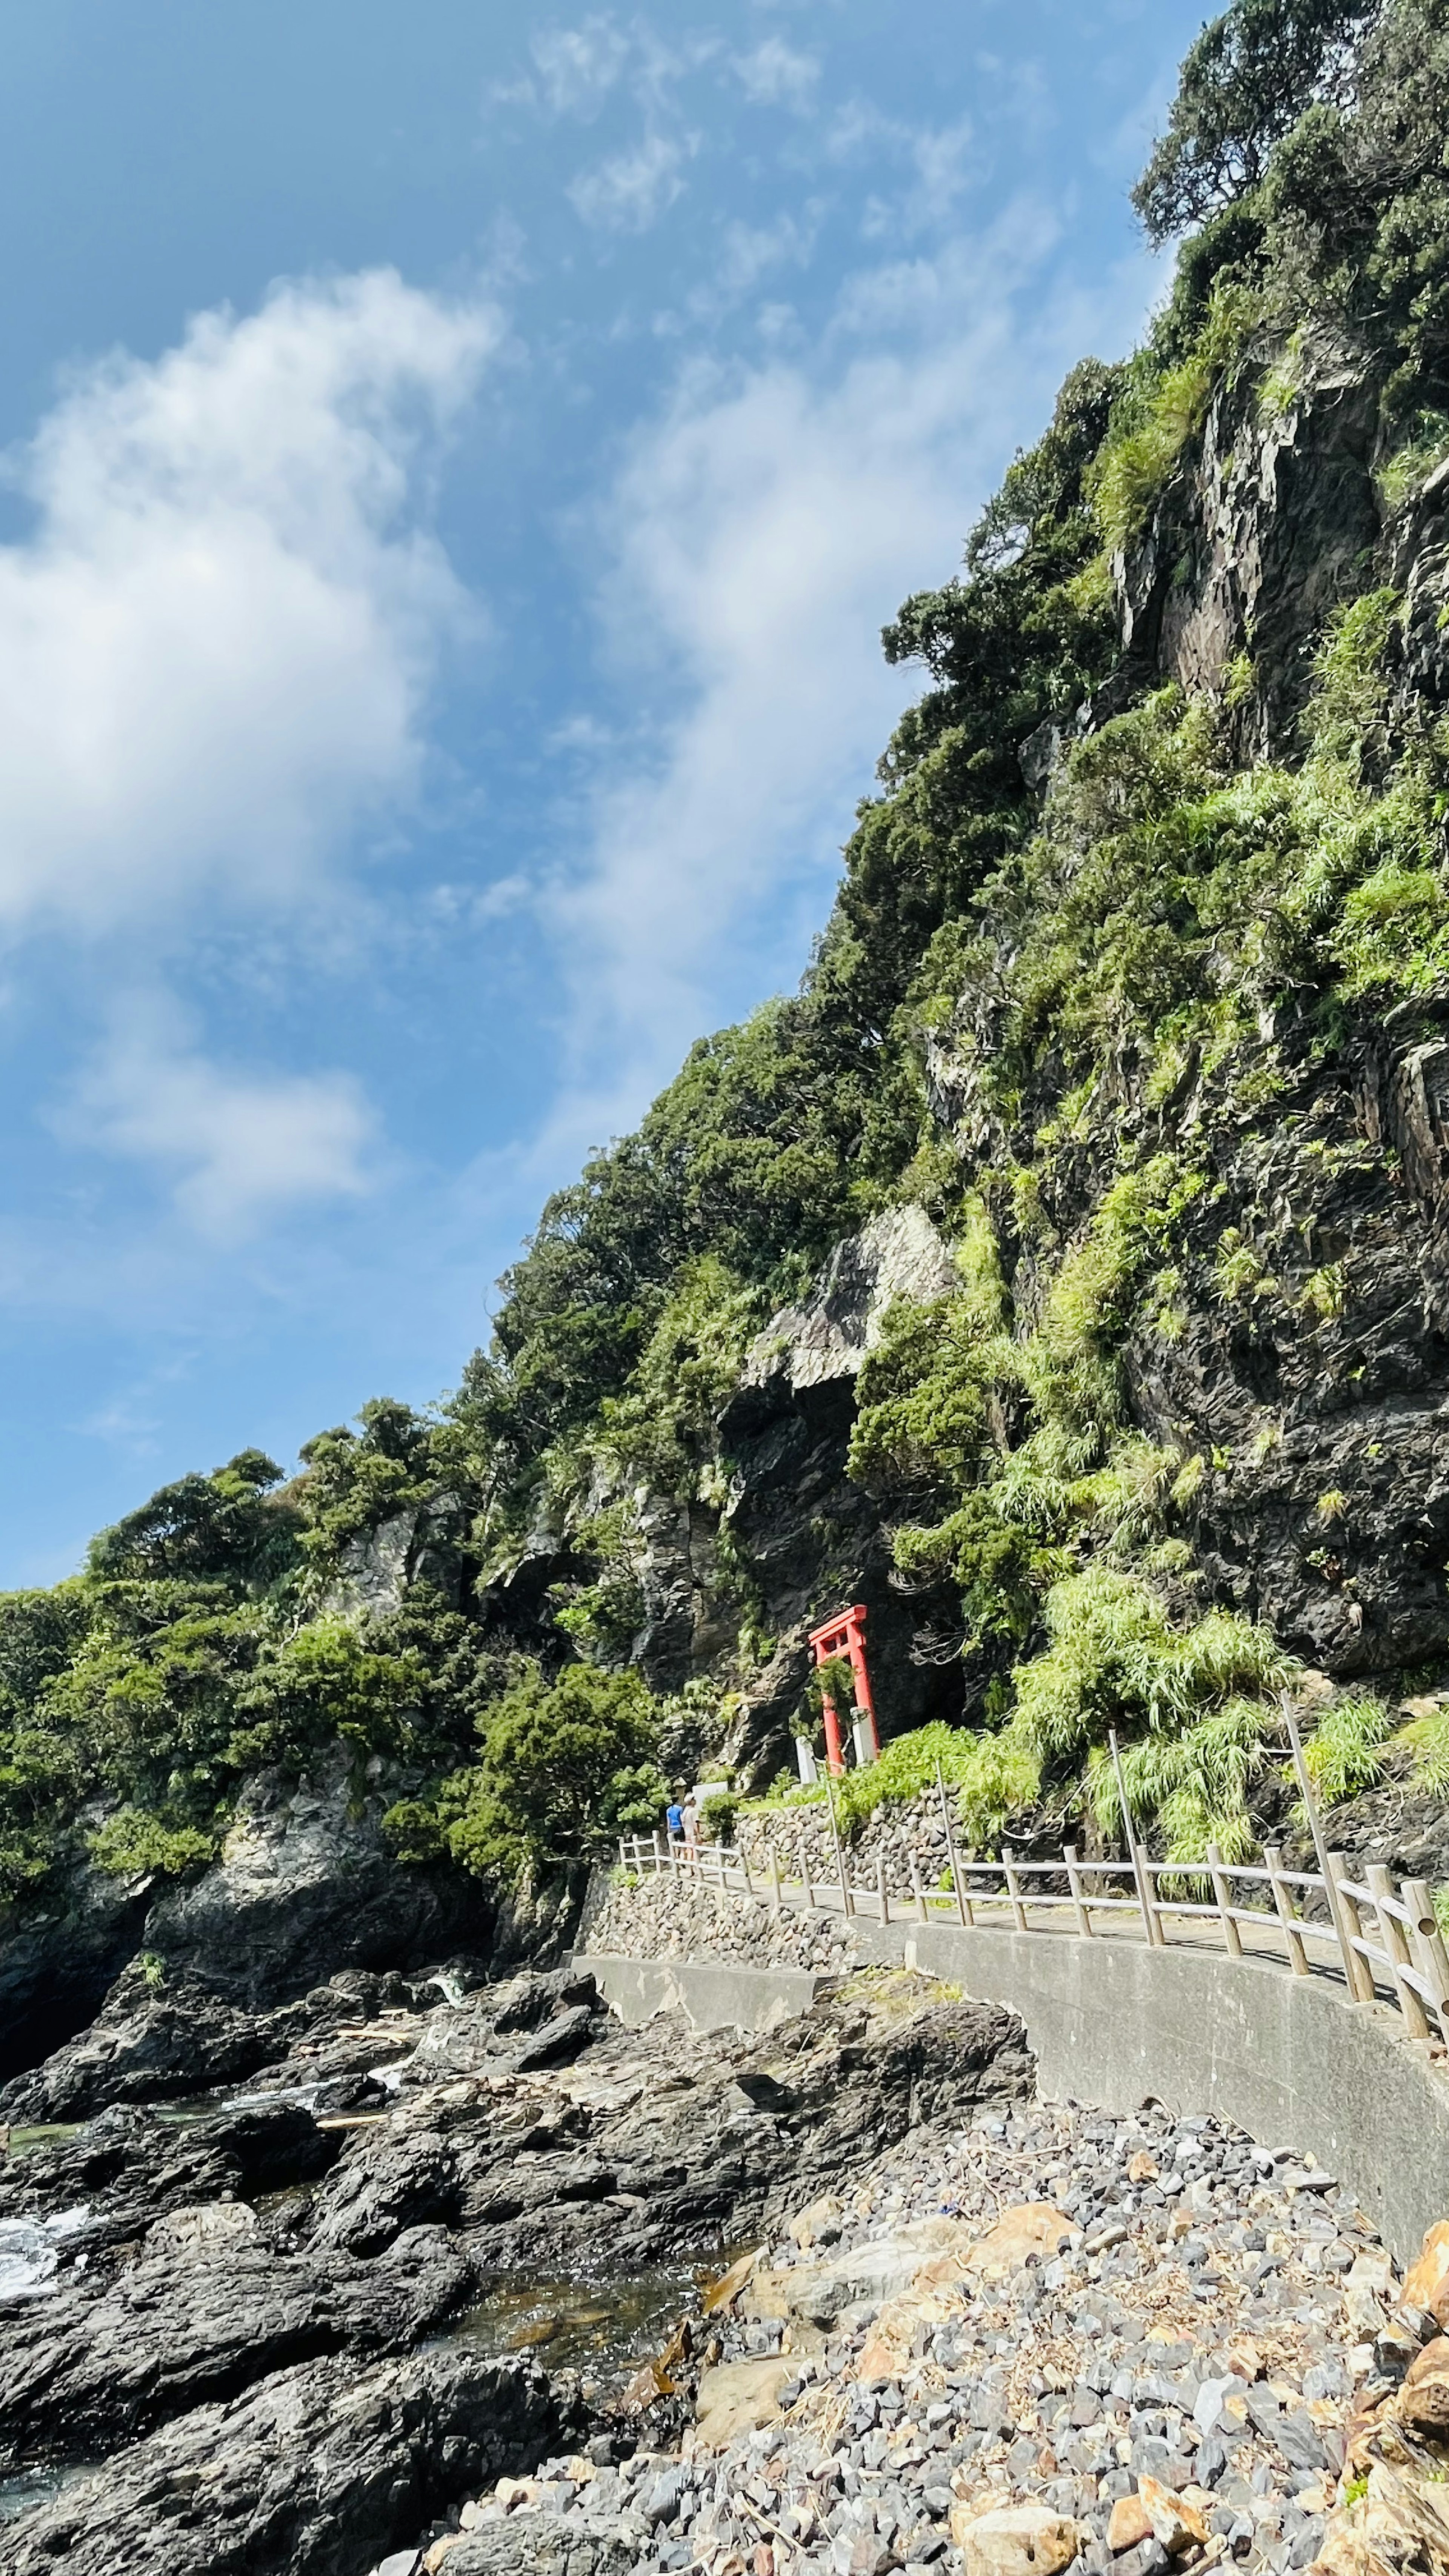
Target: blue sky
[{"x": 457, "y": 464}]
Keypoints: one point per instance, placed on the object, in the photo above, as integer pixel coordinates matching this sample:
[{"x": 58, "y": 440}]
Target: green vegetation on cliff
[{"x": 1119, "y": 946}]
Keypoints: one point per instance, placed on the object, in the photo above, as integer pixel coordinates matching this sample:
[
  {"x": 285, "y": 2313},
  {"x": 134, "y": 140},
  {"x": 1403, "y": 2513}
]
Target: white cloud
[
  {"x": 125, "y": 1424},
  {"x": 763, "y": 529},
  {"x": 746, "y": 253},
  {"x": 578, "y": 66},
  {"x": 946, "y": 160},
  {"x": 216, "y": 643},
  {"x": 627, "y": 193},
  {"x": 238, "y": 1148},
  {"x": 774, "y": 75}
]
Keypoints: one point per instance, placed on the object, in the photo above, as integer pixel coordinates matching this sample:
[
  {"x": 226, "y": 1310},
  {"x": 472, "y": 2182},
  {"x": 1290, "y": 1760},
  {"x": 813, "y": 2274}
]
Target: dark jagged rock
[
  {"x": 128, "y": 2168},
  {"x": 150, "y": 2045},
  {"x": 557, "y": 2040},
  {"x": 526, "y": 2001},
  {"x": 319, "y": 2472},
  {"x": 399, "y": 2179},
  {"x": 229, "y": 2348},
  {"x": 638, "y": 2152},
  {"x": 307, "y": 1886},
  {"x": 1260, "y": 536},
  {"x": 97, "y": 2364},
  {"x": 57, "y": 1964},
  {"x": 1406, "y": 1830}
]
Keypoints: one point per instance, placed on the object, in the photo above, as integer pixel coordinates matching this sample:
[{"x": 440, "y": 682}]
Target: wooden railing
[{"x": 1378, "y": 1942}]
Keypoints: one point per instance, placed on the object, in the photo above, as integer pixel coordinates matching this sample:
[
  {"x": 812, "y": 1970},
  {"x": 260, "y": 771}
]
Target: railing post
[
  {"x": 1018, "y": 1910},
  {"x": 745, "y": 1866},
  {"x": 1074, "y": 1882},
  {"x": 807, "y": 1893},
  {"x": 1359, "y": 1974},
  {"x": 962, "y": 1908},
  {"x": 1297, "y": 1955},
  {"x": 774, "y": 1861},
  {"x": 1223, "y": 1898},
  {"x": 1432, "y": 1957},
  {"x": 918, "y": 1893},
  {"x": 1392, "y": 1939},
  {"x": 1352, "y": 1964},
  {"x": 882, "y": 1892}
]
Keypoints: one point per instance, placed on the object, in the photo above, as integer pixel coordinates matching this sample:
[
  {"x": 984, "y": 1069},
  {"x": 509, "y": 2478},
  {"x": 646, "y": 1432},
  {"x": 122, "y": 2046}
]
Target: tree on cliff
[
  {"x": 564, "y": 1770},
  {"x": 1243, "y": 85}
]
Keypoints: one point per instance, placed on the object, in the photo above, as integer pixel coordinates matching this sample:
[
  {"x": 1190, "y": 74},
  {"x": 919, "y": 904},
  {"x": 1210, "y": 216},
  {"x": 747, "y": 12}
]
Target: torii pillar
[{"x": 845, "y": 1635}]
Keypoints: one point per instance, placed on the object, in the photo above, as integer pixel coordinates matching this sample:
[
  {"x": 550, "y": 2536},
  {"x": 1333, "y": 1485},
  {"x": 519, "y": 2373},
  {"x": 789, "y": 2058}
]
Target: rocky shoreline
[
  {"x": 228, "y": 2279},
  {"x": 305, "y": 2330},
  {"x": 1045, "y": 2341}
]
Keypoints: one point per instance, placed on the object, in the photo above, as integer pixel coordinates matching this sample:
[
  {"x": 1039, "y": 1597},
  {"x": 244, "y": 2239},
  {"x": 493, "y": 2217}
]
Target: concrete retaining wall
[
  {"x": 1289, "y": 2058},
  {"x": 710, "y": 1994}
]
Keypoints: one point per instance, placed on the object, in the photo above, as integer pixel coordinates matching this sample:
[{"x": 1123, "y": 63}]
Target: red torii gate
[{"x": 845, "y": 1635}]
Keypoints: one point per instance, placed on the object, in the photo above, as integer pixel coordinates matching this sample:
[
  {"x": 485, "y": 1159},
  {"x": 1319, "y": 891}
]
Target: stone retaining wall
[
  {"x": 897, "y": 1832},
  {"x": 674, "y": 1918}
]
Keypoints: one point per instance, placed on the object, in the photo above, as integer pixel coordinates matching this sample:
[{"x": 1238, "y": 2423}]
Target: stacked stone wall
[
  {"x": 899, "y": 1832},
  {"x": 675, "y": 1918}
]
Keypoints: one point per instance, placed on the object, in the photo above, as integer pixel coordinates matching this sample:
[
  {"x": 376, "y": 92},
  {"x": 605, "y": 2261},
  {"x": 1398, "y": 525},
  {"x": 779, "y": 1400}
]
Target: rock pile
[
  {"x": 904, "y": 1835},
  {"x": 1046, "y": 2341}
]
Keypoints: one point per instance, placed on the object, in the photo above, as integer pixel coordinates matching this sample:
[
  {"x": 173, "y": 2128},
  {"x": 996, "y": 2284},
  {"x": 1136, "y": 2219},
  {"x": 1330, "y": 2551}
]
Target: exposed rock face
[
  {"x": 1407, "y": 1830},
  {"x": 899, "y": 1254},
  {"x": 1318, "y": 1395},
  {"x": 1261, "y": 538},
  {"x": 685, "y": 1623},
  {"x": 319, "y": 2472},
  {"x": 127, "y": 2169},
  {"x": 378, "y": 1567},
  {"x": 305, "y": 1886},
  {"x": 102, "y": 2363},
  {"x": 628, "y": 2154},
  {"x": 812, "y": 1540},
  {"x": 55, "y": 1966},
  {"x": 149, "y": 2045}
]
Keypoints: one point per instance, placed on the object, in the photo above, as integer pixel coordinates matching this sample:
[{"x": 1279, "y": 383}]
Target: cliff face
[
  {"x": 1308, "y": 1378},
  {"x": 1269, "y": 528}
]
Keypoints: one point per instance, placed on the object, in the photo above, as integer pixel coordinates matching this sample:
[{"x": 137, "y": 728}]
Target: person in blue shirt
[{"x": 674, "y": 1819}]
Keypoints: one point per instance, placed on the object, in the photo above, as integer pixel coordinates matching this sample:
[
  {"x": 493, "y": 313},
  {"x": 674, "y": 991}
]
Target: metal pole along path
[
  {"x": 1150, "y": 1924},
  {"x": 1315, "y": 1827}
]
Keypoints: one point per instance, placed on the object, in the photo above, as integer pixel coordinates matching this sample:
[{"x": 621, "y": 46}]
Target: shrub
[
  {"x": 565, "y": 1769},
  {"x": 1144, "y": 446},
  {"x": 1347, "y": 1748},
  {"x": 1115, "y": 1658},
  {"x": 992, "y": 1777},
  {"x": 133, "y": 1842}
]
